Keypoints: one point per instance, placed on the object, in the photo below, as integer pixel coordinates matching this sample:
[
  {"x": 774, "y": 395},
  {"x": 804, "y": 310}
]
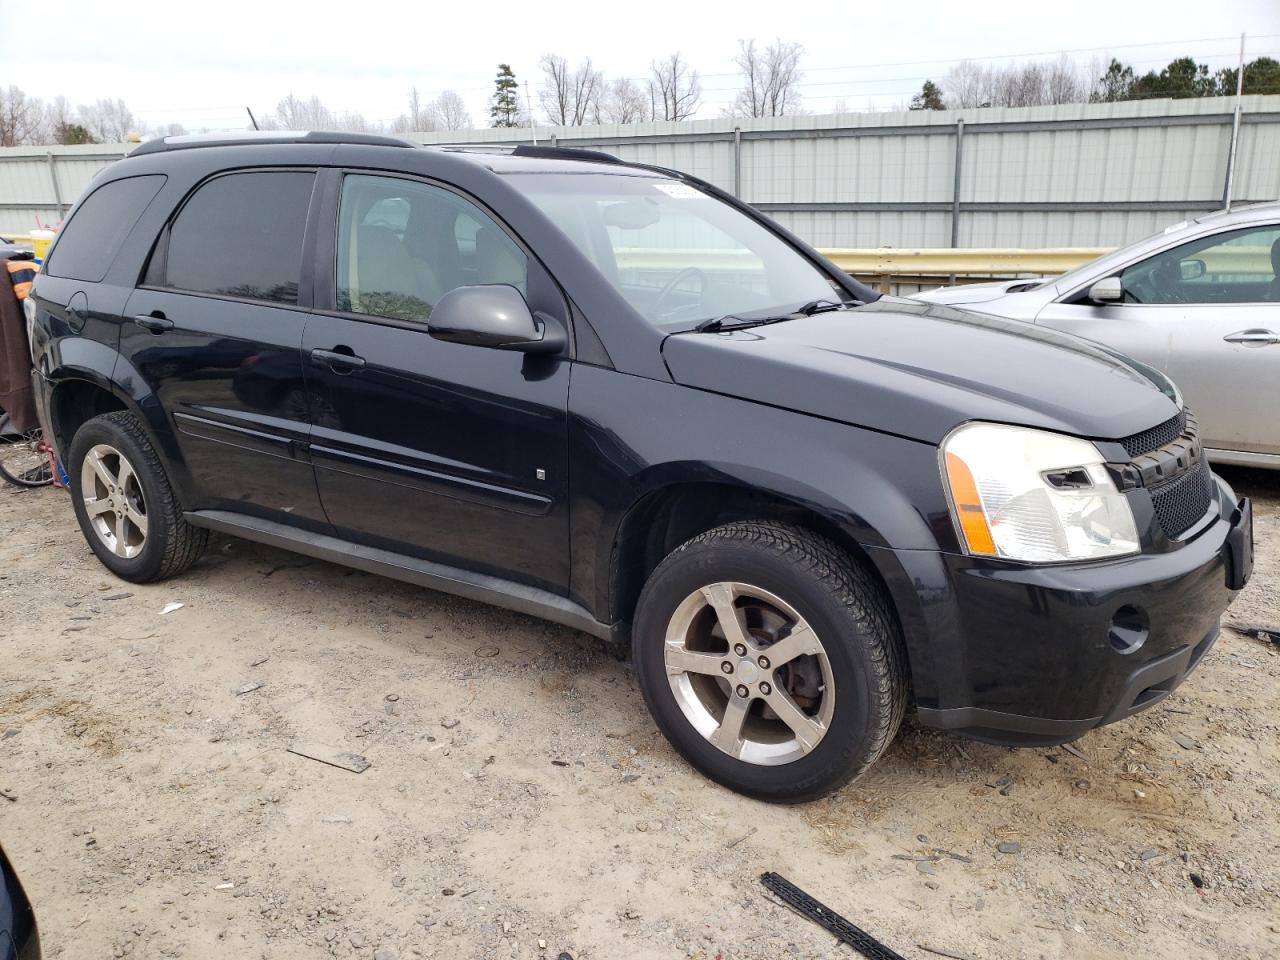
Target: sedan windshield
[{"x": 679, "y": 256}]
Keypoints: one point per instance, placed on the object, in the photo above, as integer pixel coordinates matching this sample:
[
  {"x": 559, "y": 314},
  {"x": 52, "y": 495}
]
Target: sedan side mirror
[
  {"x": 1107, "y": 290},
  {"x": 1191, "y": 269},
  {"x": 493, "y": 315}
]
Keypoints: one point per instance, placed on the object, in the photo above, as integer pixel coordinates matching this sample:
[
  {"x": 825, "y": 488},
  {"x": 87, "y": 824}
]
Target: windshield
[{"x": 679, "y": 256}]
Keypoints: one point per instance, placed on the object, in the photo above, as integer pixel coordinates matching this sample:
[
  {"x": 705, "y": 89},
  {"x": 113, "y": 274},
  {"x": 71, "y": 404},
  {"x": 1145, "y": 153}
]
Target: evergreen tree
[
  {"x": 504, "y": 108},
  {"x": 929, "y": 98},
  {"x": 1113, "y": 85},
  {"x": 1260, "y": 76}
]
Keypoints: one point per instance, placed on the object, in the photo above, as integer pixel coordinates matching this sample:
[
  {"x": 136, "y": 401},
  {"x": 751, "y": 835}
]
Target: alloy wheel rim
[
  {"x": 113, "y": 501},
  {"x": 749, "y": 673}
]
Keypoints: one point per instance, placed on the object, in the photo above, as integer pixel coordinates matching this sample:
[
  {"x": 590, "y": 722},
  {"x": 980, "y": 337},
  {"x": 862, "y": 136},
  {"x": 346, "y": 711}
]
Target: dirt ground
[{"x": 520, "y": 802}]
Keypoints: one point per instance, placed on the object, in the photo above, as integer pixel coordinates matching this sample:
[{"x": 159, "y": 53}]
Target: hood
[
  {"x": 919, "y": 370},
  {"x": 978, "y": 292}
]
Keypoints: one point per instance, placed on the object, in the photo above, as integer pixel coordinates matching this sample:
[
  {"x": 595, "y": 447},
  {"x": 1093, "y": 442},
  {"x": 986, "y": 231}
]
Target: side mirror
[
  {"x": 493, "y": 315},
  {"x": 1107, "y": 290},
  {"x": 1191, "y": 269}
]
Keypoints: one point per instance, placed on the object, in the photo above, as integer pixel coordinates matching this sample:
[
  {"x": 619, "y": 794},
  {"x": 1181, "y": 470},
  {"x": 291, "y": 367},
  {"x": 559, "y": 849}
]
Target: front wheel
[{"x": 770, "y": 660}]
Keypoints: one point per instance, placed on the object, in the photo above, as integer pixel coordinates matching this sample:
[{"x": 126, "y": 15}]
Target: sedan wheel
[{"x": 113, "y": 501}]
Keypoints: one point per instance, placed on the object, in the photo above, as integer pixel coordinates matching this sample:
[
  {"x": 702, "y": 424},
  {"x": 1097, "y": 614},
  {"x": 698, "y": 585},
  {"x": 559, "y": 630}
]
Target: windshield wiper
[{"x": 731, "y": 322}]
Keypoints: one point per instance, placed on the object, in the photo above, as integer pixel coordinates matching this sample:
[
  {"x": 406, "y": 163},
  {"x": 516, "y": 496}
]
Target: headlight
[{"x": 1034, "y": 496}]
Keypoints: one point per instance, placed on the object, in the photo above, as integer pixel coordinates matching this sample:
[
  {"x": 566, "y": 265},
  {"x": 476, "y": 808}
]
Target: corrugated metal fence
[{"x": 1079, "y": 175}]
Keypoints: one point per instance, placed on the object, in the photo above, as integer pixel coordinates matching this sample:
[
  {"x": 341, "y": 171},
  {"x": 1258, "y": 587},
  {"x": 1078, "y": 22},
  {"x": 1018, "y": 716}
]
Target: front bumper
[{"x": 1017, "y": 654}]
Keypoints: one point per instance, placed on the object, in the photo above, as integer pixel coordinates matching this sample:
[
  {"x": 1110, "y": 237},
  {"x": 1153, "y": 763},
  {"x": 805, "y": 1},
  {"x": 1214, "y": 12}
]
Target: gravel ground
[{"x": 520, "y": 803}]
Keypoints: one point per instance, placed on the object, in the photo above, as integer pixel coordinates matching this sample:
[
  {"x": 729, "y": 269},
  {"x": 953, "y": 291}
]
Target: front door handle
[
  {"x": 156, "y": 323},
  {"x": 1256, "y": 337},
  {"x": 339, "y": 360}
]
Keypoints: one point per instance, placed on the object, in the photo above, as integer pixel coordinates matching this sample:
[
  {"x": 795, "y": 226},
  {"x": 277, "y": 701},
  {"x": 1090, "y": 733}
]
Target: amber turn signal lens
[{"x": 968, "y": 506}]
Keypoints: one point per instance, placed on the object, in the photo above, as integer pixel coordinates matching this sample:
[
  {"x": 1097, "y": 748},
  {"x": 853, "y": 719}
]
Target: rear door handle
[
  {"x": 334, "y": 359},
  {"x": 1255, "y": 337},
  {"x": 156, "y": 324}
]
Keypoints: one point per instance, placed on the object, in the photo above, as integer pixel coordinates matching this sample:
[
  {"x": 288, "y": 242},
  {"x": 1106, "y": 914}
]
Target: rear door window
[
  {"x": 240, "y": 235},
  {"x": 92, "y": 237}
]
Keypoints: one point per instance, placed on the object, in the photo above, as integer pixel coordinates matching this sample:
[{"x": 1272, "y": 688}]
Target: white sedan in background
[{"x": 1199, "y": 301}]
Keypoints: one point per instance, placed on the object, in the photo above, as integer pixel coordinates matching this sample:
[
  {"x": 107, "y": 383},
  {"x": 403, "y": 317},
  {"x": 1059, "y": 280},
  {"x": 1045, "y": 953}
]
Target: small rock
[
  {"x": 1149, "y": 854},
  {"x": 449, "y": 723},
  {"x": 386, "y": 953},
  {"x": 487, "y": 652},
  {"x": 448, "y": 892},
  {"x": 926, "y": 866},
  {"x": 1186, "y": 743},
  {"x": 1000, "y": 782},
  {"x": 249, "y": 687},
  {"x": 357, "y": 940},
  {"x": 1009, "y": 846},
  {"x": 172, "y": 607},
  {"x": 391, "y": 697},
  {"x": 117, "y": 596},
  {"x": 631, "y": 778}
]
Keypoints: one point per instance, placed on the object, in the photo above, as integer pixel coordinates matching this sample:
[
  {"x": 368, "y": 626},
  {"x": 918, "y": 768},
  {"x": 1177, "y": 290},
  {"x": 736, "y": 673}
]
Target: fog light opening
[{"x": 1129, "y": 629}]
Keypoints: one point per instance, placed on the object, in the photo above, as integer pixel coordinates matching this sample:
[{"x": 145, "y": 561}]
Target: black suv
[{"x": 613, "y": 396}]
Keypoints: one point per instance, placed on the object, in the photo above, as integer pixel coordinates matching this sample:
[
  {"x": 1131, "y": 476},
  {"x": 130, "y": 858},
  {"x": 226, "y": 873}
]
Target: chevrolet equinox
[{"x": 615, "y": 397}]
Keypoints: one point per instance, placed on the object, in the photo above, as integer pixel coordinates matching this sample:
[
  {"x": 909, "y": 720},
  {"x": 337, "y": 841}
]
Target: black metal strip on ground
[{"x": 827, "y": 918}]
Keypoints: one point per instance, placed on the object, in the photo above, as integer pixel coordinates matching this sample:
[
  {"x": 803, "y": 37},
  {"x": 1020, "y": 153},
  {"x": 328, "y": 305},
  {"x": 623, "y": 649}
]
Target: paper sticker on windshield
[{"x": 681, "y": 191}]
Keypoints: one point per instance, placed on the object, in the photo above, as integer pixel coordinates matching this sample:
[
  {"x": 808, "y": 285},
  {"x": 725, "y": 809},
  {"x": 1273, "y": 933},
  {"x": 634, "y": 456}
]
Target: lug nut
[
  {"x": 764, "y": 663},
  {"x": 766, "y": 689},
  {"x": 740, "y": 650},
  {"x": 727, "y": 667},
  {"x": 742, "y": 690}
]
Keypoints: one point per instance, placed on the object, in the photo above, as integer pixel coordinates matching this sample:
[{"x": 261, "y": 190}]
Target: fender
[
  {"x": 79, "y": 359},
  {"x": 878, "y": 491}
]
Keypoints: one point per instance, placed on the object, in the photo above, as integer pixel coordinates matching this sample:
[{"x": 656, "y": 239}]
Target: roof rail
[
  {"x": 249, "y": 137},
  {"x": 565, "y": 153},
  {"x": 527, "y": 150}
]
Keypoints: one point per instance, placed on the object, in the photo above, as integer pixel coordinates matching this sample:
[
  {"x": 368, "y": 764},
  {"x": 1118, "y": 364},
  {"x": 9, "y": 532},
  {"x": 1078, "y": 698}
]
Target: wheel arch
[
  {"x": 79, "y": 394},
  {"x": 669, "y": 515}
]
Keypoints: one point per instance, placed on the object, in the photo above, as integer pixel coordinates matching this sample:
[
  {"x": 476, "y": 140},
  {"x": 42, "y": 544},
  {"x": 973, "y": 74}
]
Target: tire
[
  {"x": 22, "y": 463},
  {"x": 157, "y": 543},
  {"x": 840, "y": 694}
]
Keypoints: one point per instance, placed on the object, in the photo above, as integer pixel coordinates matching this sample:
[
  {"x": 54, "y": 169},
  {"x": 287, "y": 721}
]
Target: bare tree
[
  {"x": 1030, "y": 84},
  {"x": 968, "y": 84},
  {"x": 1064, "y": 82},
  {"x": 21, "y": 117},
  {"x": 570, "y": 97},
  {"x": 770, "y": 80},
  {"x": 675, "y": 92},
  {"x": 452, "y": 112},
  {"x": 109, "y": 121},
  {"x": 625, "y": 102},
  {"x": 293, "y": 113}
]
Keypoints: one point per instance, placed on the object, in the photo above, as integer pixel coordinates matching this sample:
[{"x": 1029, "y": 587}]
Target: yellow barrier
[{"x": 943, "y": 261}]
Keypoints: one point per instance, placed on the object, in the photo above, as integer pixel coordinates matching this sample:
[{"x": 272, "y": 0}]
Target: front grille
[
  {"x": 1156, "y": 437},
  {"x": 1180, "y": 502}
]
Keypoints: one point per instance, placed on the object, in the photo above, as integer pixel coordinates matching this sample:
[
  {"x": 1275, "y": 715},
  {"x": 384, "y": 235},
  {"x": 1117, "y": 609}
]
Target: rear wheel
[
  {"x": 126, "y": 507},
  {"x": 770, "y": 660}
]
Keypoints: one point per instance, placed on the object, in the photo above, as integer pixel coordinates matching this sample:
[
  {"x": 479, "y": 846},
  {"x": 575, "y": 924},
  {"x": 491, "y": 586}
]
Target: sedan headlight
[{"x": 1034, "y": 496}]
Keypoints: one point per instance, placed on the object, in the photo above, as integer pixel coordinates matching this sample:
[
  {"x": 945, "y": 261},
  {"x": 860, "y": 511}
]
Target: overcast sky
[{"x": 200, "y": 64}]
